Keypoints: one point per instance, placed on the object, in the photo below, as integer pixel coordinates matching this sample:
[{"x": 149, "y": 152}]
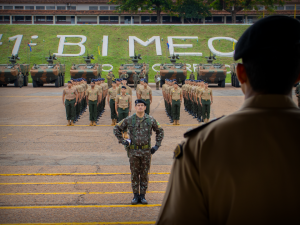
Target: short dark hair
[{"x": 274, "y": 74}]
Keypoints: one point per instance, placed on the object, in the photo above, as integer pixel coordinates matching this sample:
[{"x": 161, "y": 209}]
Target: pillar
[
  {"x": 246, "y": 19},
  {"x": 54, "y": 20},
  {"x": 32, "y": 19},
  {"x": 75, "y": 19},
  {"x": 161, "y": 19},
  {"x": 119, "y": 19},
  {"x": 182, "y": 20},
  {"x": 203, "y": 20},
  {"x": 97, "y": 19},
  {"x": 10, "y": 19},
  {"x": 131, "y": 20},
  {"x": 140, "y": 19},
  {"x": 225, "y": 19}
]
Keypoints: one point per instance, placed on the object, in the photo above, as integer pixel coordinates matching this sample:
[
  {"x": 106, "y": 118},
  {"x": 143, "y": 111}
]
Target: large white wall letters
[
  {"x": 172, "y": 46},
  {"x": 146, "y": 43},
  {"x": 62, "y": 43}
]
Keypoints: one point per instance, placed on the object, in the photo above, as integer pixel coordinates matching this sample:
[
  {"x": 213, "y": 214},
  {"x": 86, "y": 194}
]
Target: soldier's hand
[
  {"x": 154, "y": 149},
  {"x": 64, "y": 104},
  {"x": 125, "y": 143},
  {"x": 211, "y": 102},
  {"x": 75, "y": 103}
]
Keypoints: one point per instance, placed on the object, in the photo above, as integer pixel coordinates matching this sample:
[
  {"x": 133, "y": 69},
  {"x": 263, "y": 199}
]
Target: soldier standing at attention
[
  {"x": 93, "y": 99},
  {"x": 111, "y": 97},
  {"x": 139, "y": 86},
  {"x": 139, "y": 149},
  {"x": 176, "y": 99},
  {"x": 135, "y": 79},
  {"x": 253, "y": 178},
  {"x": 80, "y": 96},
  {"x": 206, "y": 97},
  {"x": 71, "y": 95},
  {"x": 199, "y": 107},
  {"x": 104, "y": 93},
  {"x": 145, "y": 93},
  {"x": 128, "y": 89},
  {"x": 110, "y": 77},
  {"x": 157, "y": 79},
  {"x": 192, "y": 76},
  {"x": 297, "y": 91},
  {"x": 118, "y": 83},
  {"x": 123, "y": 107},
  {"x": 163, "y": 89}
]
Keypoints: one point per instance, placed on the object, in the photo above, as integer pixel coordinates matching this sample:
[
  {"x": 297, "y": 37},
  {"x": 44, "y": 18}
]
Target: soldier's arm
[
  {"x": 108, "y": 98},
  {"x": 63, "y": 97},
  {"x": 159, "y": 132},
  {"x": 150, "y": 96},
  {"x": 122, "y": 125},
  {"x": 116, "y": 105},
  {"x": 211, "y": 96},
  {"x": 76, "y": 93},
  {"x": 87, "y": 97}
]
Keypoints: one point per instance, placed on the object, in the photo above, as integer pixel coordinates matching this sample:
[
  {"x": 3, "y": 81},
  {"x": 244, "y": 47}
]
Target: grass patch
[{"x": 118, "y": 47}]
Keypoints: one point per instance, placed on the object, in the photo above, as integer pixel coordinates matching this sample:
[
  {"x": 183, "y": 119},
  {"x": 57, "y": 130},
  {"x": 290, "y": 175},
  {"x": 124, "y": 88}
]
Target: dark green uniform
[
  {"x": 192, "y": 76},
  {"x": 135, "y": 80},
  {"x": 140, "y": 131},
  {"x": 297, "y": 91},
  {"x": 70, "y": 100},
  {"x": 205, "y": 100},
  {"x": 175, "y": 95}
]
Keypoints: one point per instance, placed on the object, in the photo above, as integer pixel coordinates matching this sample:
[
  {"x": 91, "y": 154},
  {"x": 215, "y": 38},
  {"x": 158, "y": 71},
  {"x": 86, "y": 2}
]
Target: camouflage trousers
[
  {"x": 109, "y": 83},
  {"x": 139, "y": 166}
]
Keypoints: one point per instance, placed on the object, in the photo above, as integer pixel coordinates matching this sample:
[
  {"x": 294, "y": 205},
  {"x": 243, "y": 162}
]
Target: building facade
[{"x": 100, "y": 12}]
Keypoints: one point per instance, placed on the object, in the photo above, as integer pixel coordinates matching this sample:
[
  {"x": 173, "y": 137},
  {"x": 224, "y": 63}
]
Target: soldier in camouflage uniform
[
  {"x": 297, "y": 91},
  {"x": 110, "y": 77},
  {"x": 192, "y": 76},
  {"x": 124, "y": 75},
  {"x": 157, "y": 80},
  {"x": 135, "y": 79},
  {"x": 140, "y": 126}
]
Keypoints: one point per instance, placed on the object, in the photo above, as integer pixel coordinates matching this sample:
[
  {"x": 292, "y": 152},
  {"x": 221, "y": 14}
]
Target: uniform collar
[{"x": 269, "y": 101}]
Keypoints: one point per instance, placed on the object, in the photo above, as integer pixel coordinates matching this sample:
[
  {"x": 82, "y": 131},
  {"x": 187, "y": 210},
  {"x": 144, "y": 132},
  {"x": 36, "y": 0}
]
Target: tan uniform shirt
[
  {"x": 241, "y": 169},
  {"x": 128, "y": 90},
  {"x": 198, "y": 91},
  {"x": 176, "y": 93},
  {"x": 145, "y": 92},
  {"x": 123, "y": 101},
  {"x": 92, "y": 94},
  {"x": 79, "y": 88},
  {"x": 206, "y": 94},
  {"x": 138, "y": 87},
  {"x": 70, "y": 94},
  {"x": 104, "y": 86},
  {"x": 112, "y": 93},
  {"x": 99, "y": 88}
]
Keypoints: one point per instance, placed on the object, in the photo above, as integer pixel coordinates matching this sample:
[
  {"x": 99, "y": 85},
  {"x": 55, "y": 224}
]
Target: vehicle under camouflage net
[
  {"x": 234, "y": 80},
  {"x": 14, "y": 73},
  {"x": 173, "y": 71},
  {"x": 48, "y": 73},
  {"x": 87, "y": 71},
  {"x": 212, "y": 73},
  {"x": 142, "y": 69}
]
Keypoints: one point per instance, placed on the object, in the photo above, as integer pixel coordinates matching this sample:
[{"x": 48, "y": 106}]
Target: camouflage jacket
[
  {"x": 140, "y": 130},
  {"x": 135, "y": 77}
]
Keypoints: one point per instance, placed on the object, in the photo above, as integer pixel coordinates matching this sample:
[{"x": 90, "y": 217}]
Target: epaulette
[{"x": 197, "y": 129}]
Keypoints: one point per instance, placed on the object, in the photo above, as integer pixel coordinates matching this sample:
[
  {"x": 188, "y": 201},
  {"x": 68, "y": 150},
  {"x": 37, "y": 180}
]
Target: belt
[
  {"x": 70, "y": 99},
  {"x": 139, "y": 146},
  {"x": 175, "y": 100},
  {"x": 92, "y": 100},
  {"x": 205, "y": 99},
  {"x": 122, "y": 108}
]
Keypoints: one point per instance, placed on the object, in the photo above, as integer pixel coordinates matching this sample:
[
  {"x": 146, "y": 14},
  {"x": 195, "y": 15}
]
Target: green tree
[
  {"x": 192, "y": 10},
  {"x": 234, "y": 6},
  {"x": 135, "y": 6}
]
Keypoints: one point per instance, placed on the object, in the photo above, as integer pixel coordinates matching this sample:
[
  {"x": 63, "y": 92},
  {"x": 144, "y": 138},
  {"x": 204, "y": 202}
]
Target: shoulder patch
[
  {"x": 200, "y": 127},
  {"x": 178, "y": 152}
]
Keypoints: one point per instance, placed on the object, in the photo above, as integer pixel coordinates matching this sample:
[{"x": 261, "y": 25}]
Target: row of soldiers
[
  {"x": 78, "y": 95},
  {"x": 197, "y": 99}
]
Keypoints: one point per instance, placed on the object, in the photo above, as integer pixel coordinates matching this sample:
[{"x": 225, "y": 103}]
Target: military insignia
[
  {"x": 126, "y": 100},
  {"x": 159, "y": 126},
  {"x": 178, "y": 152},
  {"x": 120, "y": 97}
]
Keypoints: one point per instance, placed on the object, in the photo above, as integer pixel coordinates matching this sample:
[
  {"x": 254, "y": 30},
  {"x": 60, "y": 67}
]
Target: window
[
  {"x": 40, "y": 7},
  {"x": 29, "y": 7},
  {"x": 113, "y": 7},
  {"x": 8, "y": 7},
  {"x": 280, "y": 8},
  {"x": 166, "y": 19},
  {"x": 103, "y": 7},
  {"x": 290, "y": 7},
  {"x": 176, "y": 19},
  {"x": 260, "y": 7},
  {"x": 19, "y": 7},
  {"x": 1, "y": 7},
  {"x": 297, "y": 7},
  {"x": 154, "y": 19},
  {"x": 19, "y": 18},
  {"x": 50, "y": 7},
  {"x": 71, "y": 7},
  {"x": 145, "y": 19},
  {"x": 40, "y": 18},
  {"x": 27, "y": 18},
  {"x": 6, "y": 18},
  {"x": 49, "y": 18},
  {"x": 61, "y": 7},
  {"x": 61, "y": 18},
  {"x": 103, "y": 18},
  {"x": 93, "y": 7},
  {"x": 114, "y": 19},
  {"x": 1, "y": 18}
]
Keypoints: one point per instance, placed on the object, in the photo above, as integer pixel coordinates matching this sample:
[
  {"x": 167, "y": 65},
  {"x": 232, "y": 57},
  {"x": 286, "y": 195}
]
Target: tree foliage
[{"x": 192, "y": 9}]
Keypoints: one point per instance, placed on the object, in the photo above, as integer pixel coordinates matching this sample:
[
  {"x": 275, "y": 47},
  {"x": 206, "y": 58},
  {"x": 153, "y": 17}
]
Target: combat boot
[
  {"x": 72, "y": 123},
  {"x": 142, "y": 199},
  {"x": 91, "y": 123},
  {"x": 135, "y": 199},
  {"x": 125, "y": 135},
  {"x": 112, "y": 122},
  {"x": 115, "y": 121},
  {"x": 178, "y": 122},
  {"x": 174, "y": 123},
  {"x": 94, "y": 123},
  {"x": 69, "y": 123}
]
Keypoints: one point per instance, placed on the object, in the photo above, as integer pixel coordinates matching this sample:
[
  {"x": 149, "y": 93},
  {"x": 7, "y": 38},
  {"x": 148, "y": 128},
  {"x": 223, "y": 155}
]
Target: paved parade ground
[{"x": 58, "y": 174}]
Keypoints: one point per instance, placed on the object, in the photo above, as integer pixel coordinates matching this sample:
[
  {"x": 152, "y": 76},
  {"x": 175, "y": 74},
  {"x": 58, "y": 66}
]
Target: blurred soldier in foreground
[
  {"x": 71, "y": 95},
  {"x": 138, "y": 147},
  {"x": 244, "y": 168},
  {"x": 298, "y": 94}
]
